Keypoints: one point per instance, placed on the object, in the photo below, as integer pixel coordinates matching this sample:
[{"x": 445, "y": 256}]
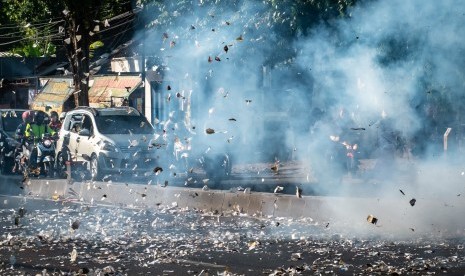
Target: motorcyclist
[
  {"x": 55, "y": 123},
  {"x": 35, "y": 131},
  {"x": 27, "y": 117}
]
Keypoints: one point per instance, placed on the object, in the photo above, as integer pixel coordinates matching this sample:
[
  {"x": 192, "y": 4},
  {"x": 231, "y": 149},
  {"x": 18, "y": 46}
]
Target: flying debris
[
  {"x": 210, "y": 59},
  {"x": 412, "y": 201},
  {"x": 192, "y": 27},
  {"x": 225, "y": 48},
  {"x": 157, "y": 170},
  {"x": 278, "y": 189},
  {"x": 217, "y": 58},
  {"x": 248, "y": 101},
  {"x": 168, "y": 87},
  {"x": 232, "y": 119},
  {"x": 240, "y": 38},
  {"x": 357, "y": 128},
  {"x": 210, "y": 131},
  {"x": 165, "y": 36},
  {"x": 104, "y": 197},
  {"x": 402, "y": 192},
  {"x": 372, "y": 219},
  {"x": 75, "y": 225},
  {"x": 275, "y": 167}
]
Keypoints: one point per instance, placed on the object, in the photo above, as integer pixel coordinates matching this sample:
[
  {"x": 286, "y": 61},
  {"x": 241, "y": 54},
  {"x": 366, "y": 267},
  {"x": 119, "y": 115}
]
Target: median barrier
[{"x": 153, "y": 196}]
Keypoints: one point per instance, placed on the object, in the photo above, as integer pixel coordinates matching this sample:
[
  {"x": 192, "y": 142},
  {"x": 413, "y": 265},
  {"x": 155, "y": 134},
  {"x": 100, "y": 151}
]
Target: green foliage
[
  {"x": 30, "y": 27},
  {"x": 25, "y": 31}
]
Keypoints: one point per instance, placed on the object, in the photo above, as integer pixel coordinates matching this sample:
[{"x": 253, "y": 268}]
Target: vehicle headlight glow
[{"x": 47, "y": 143}]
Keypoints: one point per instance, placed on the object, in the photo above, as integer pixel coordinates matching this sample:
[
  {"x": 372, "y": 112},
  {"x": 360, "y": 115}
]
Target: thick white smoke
[{"x": 388, "y": 77}]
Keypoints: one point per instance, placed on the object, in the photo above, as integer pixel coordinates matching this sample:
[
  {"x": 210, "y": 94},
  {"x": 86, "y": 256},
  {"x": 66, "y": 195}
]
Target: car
[
  {"x": 10, "y": 119},
  {"x": 115, "y": 141}
]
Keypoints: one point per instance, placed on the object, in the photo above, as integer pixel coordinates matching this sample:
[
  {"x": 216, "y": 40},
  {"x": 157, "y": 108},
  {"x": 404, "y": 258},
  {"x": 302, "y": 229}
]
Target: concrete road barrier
[{"x": 394, "y": 213}]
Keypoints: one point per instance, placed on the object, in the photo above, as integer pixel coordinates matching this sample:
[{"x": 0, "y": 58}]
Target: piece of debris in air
[
  {"x": 75, "y": 225},
  {"x": 275, "y": 167},
  {"x": 357, "y": 128},
  {"x": 372, "y": 219},
  {"x": 157, "y": 170},
  {"x": 278, "y": 189},
  {"x": 412, "y": 201},
  {"x": 210, "y": 131},
  {"x": 402, "y": 192}
]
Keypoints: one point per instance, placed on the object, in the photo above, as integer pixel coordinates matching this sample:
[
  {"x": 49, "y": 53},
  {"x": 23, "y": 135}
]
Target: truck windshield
[{"x": 123, "y": 124}]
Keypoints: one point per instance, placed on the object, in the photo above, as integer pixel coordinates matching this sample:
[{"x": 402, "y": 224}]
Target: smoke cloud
[{"x": 388, "y": 78}]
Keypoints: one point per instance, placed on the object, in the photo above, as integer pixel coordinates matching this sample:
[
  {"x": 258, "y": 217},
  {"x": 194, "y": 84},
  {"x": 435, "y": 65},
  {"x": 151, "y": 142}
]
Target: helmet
[
  {"x": 54, "y": 114},
  {"x": 27, "y": 116},
  {"x": 39, "y": 117}
]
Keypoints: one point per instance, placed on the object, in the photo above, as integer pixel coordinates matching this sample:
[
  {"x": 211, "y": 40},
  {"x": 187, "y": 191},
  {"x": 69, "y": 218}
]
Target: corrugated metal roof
[
  {"x": 54, "y": 93},
  {"x": 105, "y": 87}
]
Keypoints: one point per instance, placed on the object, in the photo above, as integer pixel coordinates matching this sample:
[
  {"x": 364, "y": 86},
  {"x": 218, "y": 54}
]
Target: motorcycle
[
  {"x": 46, "y": 156},
  {"x": 21, "y": 157}
]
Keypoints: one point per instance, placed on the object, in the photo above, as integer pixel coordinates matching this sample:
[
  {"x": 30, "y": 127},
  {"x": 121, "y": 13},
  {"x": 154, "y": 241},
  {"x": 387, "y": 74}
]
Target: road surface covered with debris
[{"x": 41, "y": 237}]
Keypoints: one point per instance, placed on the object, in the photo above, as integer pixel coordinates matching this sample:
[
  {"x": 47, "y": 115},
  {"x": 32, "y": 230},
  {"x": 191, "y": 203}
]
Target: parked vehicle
[
  {"x": 7, "y": 149},
  {"x": 21, "y": 158},
  {"x": 107, "y": 142},
  {"x": 9, "y": 121}
]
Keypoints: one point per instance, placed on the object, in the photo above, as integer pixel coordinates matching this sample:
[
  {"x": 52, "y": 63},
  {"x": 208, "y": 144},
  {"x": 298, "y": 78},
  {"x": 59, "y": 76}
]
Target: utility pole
[{"x": 77, "y": 49}]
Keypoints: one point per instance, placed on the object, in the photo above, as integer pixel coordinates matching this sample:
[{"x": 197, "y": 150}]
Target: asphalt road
[{"x": 38, "y": 237}]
